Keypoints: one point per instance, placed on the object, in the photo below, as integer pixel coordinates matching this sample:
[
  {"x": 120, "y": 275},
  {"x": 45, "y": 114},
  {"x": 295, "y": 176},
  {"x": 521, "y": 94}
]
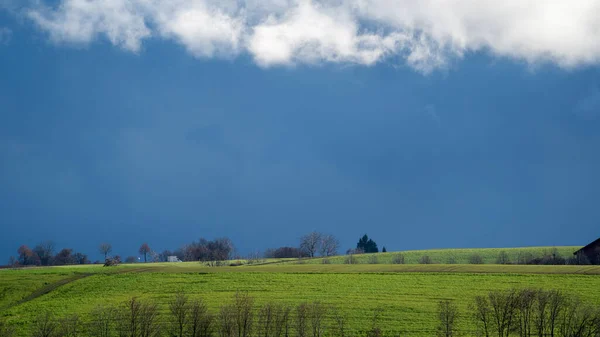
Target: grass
[
  {"x": 457, "y": 256},
  {"x": 407, "y": 294}
]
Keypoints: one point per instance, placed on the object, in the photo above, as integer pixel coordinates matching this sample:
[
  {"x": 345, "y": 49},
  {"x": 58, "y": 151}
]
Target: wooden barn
[{"x": 591, "y": 252}]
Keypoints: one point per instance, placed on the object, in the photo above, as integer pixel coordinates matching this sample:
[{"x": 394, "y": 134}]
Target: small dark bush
[
  {"x": 425, "y": 259},
  {"x": 398, "y": 259},
  {"x": 475, "y": 259}
]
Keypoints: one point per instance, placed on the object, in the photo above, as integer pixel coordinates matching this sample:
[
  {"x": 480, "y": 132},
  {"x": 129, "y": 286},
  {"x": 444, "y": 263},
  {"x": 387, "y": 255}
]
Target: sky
[{"x": 429, "y": 124}]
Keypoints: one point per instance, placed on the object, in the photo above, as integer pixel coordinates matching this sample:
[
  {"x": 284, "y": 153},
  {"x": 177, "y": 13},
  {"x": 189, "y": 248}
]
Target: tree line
[
  {"x": 43, "y": 254},
  {"x": 500, "y": 313}
]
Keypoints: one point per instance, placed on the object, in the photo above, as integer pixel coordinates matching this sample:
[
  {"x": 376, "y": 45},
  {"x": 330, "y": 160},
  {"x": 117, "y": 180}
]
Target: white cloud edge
[{"x": 424, "y": 34}]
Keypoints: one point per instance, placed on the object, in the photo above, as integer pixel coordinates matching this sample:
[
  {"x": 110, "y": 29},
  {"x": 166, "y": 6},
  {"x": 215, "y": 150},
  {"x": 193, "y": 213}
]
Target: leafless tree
[
  {"x": 144, "y": 250},
  {"x": 339, "y": 323},
  {"x": 227, "y": 321},
  {"x": 282, "y": 321},
  {"x": 149, "y": 320},
  {"x": 329, "y": 245},
  {"x": 579, "y": 320},
  {"x": 45, "y": 325},
  {"x": 179, "y": 310},
  {"x": 6, "y": 330},
  {"x": 266, "y": 320},
  {"x": 526, "y": 301},
  {"x": 375, "y": 330},
  {"x": 69, "y": 326},
  {"x": 103, "y": 321},
  {"x": 556, "y": 302},
  {"x": 425, "y": 259},
  {"x": 301, "y": 319},
  {"x": 482, "y": 314},
  {"x": 243, "y": 314},
  {"x": 502, "y": 258},
  {"x": 317, "y": 315},
  {"x": 448, "y": 317},
  {"x": 540, "y": 313},
  {"x": 310, "y": 243},
  {"x": 398, "y": 259},
  {"x": 45, "y": 251},
  {"x": 139, "y": 319},
  {"x": 373, "y": 259},
  {"x": 504, "y": 308},
  {"x": 105, "y": 249},
  {"x": 475, "y": 259},
  {"x": 129, "y": 318},
  {"x": 200, "y": 320}
]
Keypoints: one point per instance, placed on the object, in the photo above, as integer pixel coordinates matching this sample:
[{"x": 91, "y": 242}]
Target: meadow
[{"x": 406, "y": 295}]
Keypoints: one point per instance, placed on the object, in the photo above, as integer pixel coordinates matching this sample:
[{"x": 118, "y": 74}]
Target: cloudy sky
[{"x": 426, "y": 124}]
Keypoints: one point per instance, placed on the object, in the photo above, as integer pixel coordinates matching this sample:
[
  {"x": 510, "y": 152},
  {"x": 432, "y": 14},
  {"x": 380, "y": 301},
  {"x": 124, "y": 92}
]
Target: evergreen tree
[
  {"x": 367, "y": 245},
  {"x": 383, "y": 250}
]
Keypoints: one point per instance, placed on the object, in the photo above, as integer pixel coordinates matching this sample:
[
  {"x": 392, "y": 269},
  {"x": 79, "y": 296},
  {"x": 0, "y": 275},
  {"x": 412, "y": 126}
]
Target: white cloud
[
  {"x": 81, "y": 21},
  {"x": 5, "y": 35},
  {"x": 425, "y": 34}
]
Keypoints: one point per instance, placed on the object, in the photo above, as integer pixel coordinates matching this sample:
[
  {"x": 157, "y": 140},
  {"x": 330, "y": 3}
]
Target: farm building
[
  {"x": 173, "y": 259},
  {"x": 591, "y": 252}
]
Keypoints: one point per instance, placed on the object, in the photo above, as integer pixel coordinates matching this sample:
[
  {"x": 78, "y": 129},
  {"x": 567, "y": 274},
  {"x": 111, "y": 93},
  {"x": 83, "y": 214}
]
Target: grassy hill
[
  {"x": 407, "y": 294},
  {"x": 454, "y": 256}
]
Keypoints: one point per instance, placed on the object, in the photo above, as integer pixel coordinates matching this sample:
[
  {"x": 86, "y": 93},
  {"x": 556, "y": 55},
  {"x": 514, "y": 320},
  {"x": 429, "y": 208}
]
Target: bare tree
[
  {"x": 227, "y": 321},
  {"x": 243, "y": 314},
  {"x": 579, "y": 320},
  {"x": 329, "y": 245},
  {"x": 103, "y": 321},
  {"x": 69, "y": 326},
  {"x": 105, "y": 249},
  {"x": 139, "y": 319},
  {"x": 448, "y": 316},
  {"x": 200, "y": 320},
  {"x": 502, "y": 258},
  {"x": 179, "y": 310},
  {"x": 525, "y": 309},
  {"x": 144, "y": 250},
  {"x": 266, "y": 320},
  {"x": 504, "y": 307},
  {"x": 482, "y": 315},
  {"x": 6, "y": 330},
  {"x": 425, "y": 259},
  {"x": 310, "y": 243},
  {"x": 475, "y": 259},
  {"x": 339, "y": 323},
  {"x": 149, "y": 320},
  {"x": 301, "y": 320},
  {"x": 45, "y": 251},
  {"x": 398, "y": 259},
  {"x": 373, "y": 259},
  {"x": 45, "y": 325},
  {"x": 318, "y": 313},
  {"x": 556, "y": 302}
]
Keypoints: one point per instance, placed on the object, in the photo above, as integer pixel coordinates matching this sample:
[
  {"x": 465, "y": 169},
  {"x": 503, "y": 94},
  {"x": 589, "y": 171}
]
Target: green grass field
[
  {"x": 457, "y": 256},
  {"x": 407, "y": 294}
]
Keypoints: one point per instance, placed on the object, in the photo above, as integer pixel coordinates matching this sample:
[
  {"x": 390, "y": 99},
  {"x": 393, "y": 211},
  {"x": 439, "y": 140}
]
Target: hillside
[{"x": 453, "y": 256}]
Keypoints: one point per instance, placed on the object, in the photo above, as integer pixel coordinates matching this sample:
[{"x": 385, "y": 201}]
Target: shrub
[
  {"x": 425, "y": 259},
  {"x": 398, "y": 259},
  {"x": 502, "y": 258},
  {"x": 373, "y": 259},
  {"x": 475, "y": 259}
]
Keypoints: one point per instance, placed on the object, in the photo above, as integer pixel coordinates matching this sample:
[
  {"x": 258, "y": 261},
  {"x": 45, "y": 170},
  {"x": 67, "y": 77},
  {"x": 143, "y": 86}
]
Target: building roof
[{"x": 589, "y": 245}]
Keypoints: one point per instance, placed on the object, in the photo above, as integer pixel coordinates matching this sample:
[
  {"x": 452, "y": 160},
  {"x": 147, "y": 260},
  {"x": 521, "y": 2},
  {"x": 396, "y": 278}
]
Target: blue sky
[{"x": 425, "y": 126}]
